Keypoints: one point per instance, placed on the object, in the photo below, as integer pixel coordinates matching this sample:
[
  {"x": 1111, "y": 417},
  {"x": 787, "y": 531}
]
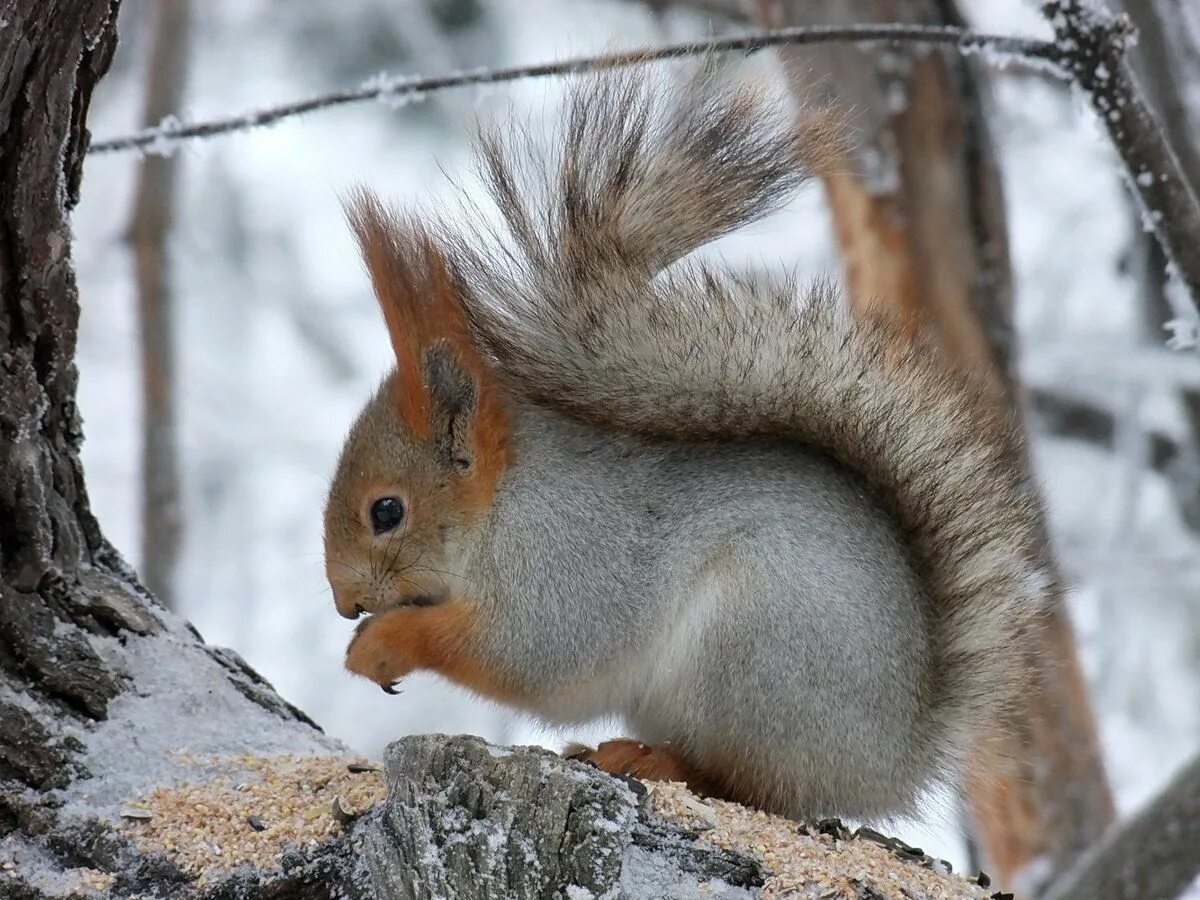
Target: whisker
[
  {"x": 393, "y": 538},
  {"x": 353, "y": 569},
  {"x": 444, "y": 572},
  {"x": 416, "y": 587}
]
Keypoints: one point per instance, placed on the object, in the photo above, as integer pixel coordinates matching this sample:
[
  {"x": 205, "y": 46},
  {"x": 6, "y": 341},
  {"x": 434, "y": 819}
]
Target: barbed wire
[{"x": 164, "y": 137}]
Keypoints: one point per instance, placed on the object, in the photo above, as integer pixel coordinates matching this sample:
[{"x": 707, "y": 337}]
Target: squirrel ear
[
  {"x": 406, "y": 272},
  {"x": 445, "y": 391},
  {"x": 455, "y": 401}
]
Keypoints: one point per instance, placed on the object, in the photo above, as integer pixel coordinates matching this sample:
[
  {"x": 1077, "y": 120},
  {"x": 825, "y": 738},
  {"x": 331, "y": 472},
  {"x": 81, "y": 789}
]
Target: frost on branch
[
  {"x": 1185, "y": 334},
  {"x": 1091, "y": 45}
]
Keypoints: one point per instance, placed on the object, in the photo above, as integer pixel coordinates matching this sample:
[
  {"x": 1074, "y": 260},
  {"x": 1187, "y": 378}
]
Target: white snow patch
[
  {"x": 41, "y": 869},
  {"x": 181, "y": 701}
]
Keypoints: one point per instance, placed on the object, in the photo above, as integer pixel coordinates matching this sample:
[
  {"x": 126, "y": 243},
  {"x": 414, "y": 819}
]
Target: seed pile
[
  {"x": 810, "y": 862},
  {"x": 98, "y": 881},
  {"x": 252, "y": 809}
]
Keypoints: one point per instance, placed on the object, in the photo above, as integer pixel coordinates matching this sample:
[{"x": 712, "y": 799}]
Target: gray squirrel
[{"x": 793, "y": 550}]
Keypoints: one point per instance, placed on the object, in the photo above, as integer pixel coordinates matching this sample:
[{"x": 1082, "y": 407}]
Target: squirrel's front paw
[{"x": 381, "y": 650}]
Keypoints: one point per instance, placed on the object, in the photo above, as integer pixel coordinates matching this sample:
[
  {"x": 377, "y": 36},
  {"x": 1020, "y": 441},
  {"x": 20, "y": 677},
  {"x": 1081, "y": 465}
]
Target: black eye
[{"x": 386, "y": 514}]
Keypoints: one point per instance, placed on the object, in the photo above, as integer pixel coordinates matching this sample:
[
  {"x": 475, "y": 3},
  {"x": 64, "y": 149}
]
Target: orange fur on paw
[
  {"x": 390, "y": 645},
  {"x": 625, "y": 756},
  {"x": 383, "y": 648}
]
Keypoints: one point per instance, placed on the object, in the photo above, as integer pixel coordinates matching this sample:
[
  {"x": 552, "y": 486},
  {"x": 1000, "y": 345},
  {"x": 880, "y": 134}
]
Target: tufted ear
[
  {"x": 454, "y": 397},
  {"x": 445, "y": 391}
]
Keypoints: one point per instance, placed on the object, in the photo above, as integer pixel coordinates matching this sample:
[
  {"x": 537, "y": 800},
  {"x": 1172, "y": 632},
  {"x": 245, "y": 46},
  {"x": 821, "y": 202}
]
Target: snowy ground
[{"x": 280, "y": 343}]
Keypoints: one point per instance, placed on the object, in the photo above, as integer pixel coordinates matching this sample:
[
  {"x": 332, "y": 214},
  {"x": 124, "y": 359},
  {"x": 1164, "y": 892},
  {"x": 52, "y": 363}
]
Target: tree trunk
[
  {"x": 920, "y": 221},
  {"x": 98, "y": 685},
  {"x": 149, "y": 235},
  {"x": 54, "y": 564}
]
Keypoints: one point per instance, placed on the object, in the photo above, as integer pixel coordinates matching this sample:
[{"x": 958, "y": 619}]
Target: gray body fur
[{"x": 734, "y": 600}]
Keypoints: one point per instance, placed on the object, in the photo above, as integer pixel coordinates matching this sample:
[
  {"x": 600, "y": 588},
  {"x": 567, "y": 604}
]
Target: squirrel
[{"x": 794, "y": 550}]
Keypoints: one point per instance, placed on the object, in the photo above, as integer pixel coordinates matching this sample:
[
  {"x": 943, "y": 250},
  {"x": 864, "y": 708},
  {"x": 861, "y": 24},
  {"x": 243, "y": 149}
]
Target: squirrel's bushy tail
[{"x": 580, "y": 313}]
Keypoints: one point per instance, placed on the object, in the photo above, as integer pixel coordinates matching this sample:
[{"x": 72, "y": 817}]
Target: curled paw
[{"x": 378, "y": 651}]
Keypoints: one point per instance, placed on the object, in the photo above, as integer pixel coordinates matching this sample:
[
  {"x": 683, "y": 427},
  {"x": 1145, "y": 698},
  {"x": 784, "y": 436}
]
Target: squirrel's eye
[{"x": 386, "y": 514}]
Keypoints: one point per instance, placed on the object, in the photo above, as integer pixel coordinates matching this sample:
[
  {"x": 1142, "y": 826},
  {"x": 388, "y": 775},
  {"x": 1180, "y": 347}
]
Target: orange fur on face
[
  {"x": 441, "y": 638},
  {"x": 422, "y": 307}
]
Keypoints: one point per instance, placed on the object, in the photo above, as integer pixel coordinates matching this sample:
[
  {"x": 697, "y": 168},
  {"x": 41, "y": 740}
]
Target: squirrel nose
[{"x": 347, "y": 604}]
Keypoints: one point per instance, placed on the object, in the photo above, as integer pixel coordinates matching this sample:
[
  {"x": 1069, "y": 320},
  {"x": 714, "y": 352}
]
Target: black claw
[{"x": 390, "y": 688}]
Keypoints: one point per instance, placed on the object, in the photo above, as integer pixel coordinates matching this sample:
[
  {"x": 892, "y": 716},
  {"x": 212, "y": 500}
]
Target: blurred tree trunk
[
  {"x": 1155, "y": 854},
  {"x": 920, "y": 221},
  {"x": 150, "y": 237}
]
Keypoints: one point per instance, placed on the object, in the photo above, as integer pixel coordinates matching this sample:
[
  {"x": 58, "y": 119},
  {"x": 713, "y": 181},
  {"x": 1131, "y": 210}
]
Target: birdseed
[
  {"x": 810, "y": 864},
  {"x": 252, "y": 810}
]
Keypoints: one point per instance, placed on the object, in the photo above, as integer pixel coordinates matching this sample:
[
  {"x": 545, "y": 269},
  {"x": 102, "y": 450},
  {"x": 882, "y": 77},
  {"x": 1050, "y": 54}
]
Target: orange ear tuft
[{"x": 422, "y": 307}]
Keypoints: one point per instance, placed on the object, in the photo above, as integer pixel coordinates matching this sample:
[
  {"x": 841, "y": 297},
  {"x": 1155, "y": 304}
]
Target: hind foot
[{"x": 625, "y": 756}]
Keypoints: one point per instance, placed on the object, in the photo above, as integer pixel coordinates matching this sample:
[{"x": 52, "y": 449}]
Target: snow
[
  {"x": 179, "y": 702},
  {"x": 1185, "y": 334},
  {"x": 394, "y": 91},
  {"x": 165, "y": 142},
  {"x": 281, "y": 343}
]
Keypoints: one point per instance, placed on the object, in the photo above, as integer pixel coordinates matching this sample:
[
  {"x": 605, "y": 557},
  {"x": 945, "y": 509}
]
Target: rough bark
[
  {"x": 73, "y": 618},
  {"x": 54, "y": 564},
  {"x": 920, "y": 221},
  {"x": 149, "y": 236},
  {"x": 465, "y": 819}
]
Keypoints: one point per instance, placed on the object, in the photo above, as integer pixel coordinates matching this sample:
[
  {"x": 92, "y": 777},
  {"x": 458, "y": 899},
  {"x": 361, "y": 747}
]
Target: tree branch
[
  {"x": 163, "y": 138},
  {"x": 1091, "y": 47},
  {"x": 1152, "y": 854}
]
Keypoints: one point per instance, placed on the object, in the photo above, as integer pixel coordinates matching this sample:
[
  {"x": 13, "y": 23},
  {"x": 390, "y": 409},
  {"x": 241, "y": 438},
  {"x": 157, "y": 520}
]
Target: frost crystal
[
  {"x": 1185, "y": 334},
  {"x": 395, "y": 91},
  {"x": 164, "y": 142}
]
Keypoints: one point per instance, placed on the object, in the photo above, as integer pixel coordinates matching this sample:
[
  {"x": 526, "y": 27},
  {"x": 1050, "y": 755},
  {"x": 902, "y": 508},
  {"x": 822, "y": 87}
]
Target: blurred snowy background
[{"x": 280, "y": 342}]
